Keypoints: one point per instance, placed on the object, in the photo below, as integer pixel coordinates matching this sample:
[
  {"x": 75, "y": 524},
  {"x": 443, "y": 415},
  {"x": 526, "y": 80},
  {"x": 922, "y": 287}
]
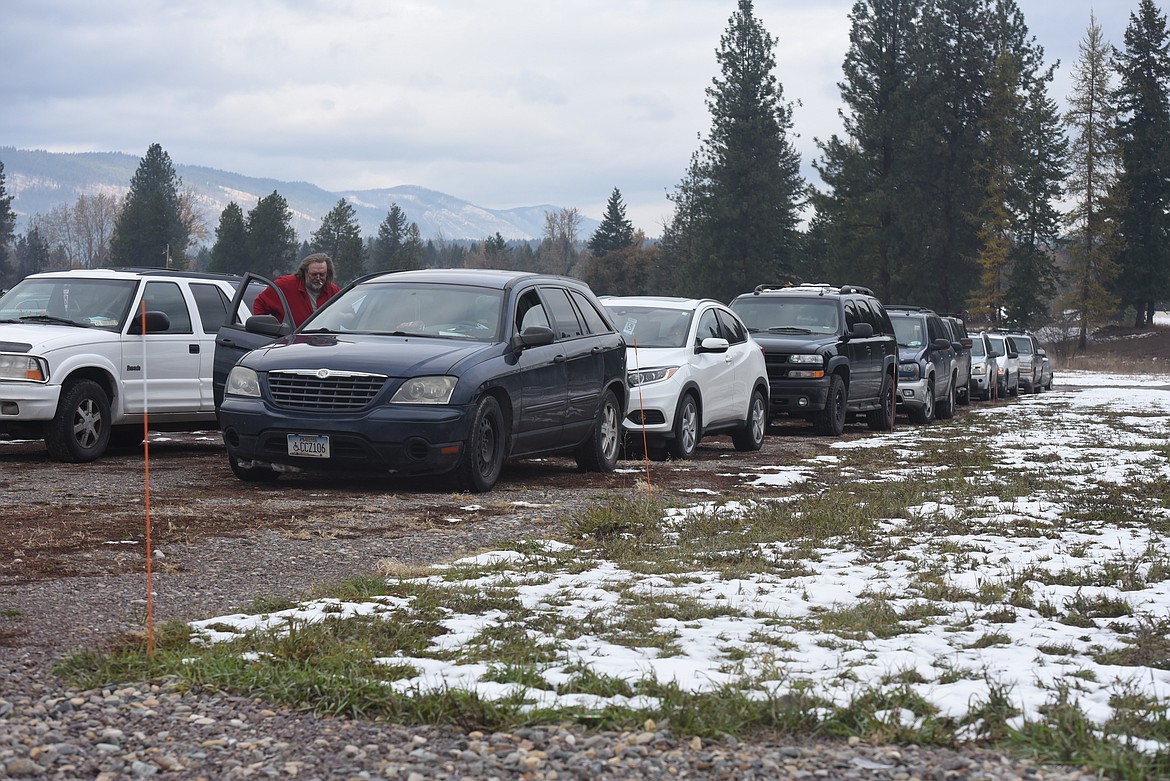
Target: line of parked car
[{"x": 454, "y": 371}]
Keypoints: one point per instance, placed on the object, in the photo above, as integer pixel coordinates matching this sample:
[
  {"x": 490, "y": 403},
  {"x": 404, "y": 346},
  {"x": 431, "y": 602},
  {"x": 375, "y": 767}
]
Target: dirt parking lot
[{"x": 73, "y": 536}]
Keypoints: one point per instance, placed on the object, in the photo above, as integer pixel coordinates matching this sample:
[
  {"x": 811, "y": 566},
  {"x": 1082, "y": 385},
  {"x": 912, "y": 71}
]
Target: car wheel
[
  {"x": 946, "y": 410},
  {"x": 599, "y": 453},
  {"x": 751, "y": 436},
  {"x": 81, "y": 429},
  {"x": 832, "y": 420},
  {"x": 483, "y": 453},
  {"x": 252, "y": 474},
  {"x": 686, "y": 428},
  {"x": 925, "y": 413},
  {"x": 964, "y": 396},
  {"x": 882, "y": 418}
]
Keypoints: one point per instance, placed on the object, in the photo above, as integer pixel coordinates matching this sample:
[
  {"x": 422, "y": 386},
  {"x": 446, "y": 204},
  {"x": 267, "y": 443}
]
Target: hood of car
[
  {"x": 911, "y": 353},
  {"x": 656, "y": 356},
  {"x": 794, "y": 343},
  {"x": 40, "y": 338},
  {"x": 394, "y": 356}
]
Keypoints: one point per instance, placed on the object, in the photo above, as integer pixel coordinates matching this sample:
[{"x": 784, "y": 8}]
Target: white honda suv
[
  {"x": 85, "y": 354},
  {"x": 693, "y": 371}
]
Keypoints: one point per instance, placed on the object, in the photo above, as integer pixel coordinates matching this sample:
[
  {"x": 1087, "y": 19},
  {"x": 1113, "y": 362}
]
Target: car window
[
  {"x": 909, "y": 331},
  {"x": 852, "y": 318},
  {"x": 866, "y": 315},
  {"x": 212, "y": 304},
  {"x": 166, "y": 297},
  {"x": 883, "y": 318},
  {"x": 594, "y": 322},
  {"x": 708, "y": 327},
  {"x": 530, "y": 312},
  {"x": 733, "y": 330},
  {"x": 568, "y": 326},
  {"x": 1023, "y": 345},
  {"x": 977, "y": 347}
]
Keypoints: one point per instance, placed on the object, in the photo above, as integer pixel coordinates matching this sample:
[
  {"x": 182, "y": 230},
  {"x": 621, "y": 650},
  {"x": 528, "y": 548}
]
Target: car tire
[
  {"x": 964, "y": 394},
  {"x": 925, "y": 413},
  {"x": 946, "y": 409},
  {"x": 831, "y": 421},
  {"x": 599, "y": 453},
  {"x": 80, "y": 431},
  {"x": 252, "y": 474},
  {"x": 686, "y": 428},
  {"x": 882, "y": 418},
  {"x": 751, "y": 436},
  {"x": 486, "y": 446}
]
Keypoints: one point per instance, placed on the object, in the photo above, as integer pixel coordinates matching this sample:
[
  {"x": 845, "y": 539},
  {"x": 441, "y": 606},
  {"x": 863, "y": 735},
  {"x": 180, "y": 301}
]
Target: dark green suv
[{"x": 830, "y": 352}]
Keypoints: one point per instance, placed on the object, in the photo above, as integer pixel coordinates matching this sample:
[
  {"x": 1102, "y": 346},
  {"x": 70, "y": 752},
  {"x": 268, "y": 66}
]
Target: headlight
[
  {"x": 647, "y": 376},
  {"x": 909, "y": 371},
  {"x": 23, "y": 367},
  {"x": 979, "y": 368},
  {"x": 425, "y": 390},
  {"x": 806, "y": 358},
  {"x": 242, "y": 381}
]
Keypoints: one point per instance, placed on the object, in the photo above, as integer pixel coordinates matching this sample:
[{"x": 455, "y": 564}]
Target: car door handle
[
  {"x": 560, "y": 359},
  {"x": 597, "y": 350},
  {"x": 225, "y": 342}
]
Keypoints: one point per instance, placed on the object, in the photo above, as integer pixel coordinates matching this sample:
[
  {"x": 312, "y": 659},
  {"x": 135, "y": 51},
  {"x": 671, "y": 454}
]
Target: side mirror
[
  {"x": 861, "y": 331},
  {"x": 266, "y": 325},
  {"x": 941, "y": 344},
  {"x": 966, "y": 343},
  {"x": 156, "y": 322},
  {"x": 1041, "y": 352},
  {"x": 533, "y": 336},
  {"x": 713, "y": 344}
]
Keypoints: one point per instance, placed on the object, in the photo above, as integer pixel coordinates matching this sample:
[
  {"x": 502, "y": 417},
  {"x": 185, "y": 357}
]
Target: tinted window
[
  {"x": 866, "y": 315},
  {"x": 708, "y": 327},
  {"x": 883, "y": 318},
  {"x": 594, "y": 322},
  {"x": 166, "y": 297},
  {"x": 212, "y": 305},
  {"x": 935, "y": 329},
  {"x": 733, "y": 330},
  {"x": 567, "y": 324},
  {"x": 852, "y": 318},
  {"x": 530, "y": 312}
]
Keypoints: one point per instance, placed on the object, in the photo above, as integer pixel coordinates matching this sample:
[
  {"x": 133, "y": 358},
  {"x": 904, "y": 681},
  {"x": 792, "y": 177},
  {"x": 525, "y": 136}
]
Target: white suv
[
  {"x": 693, "y": 370},
  {"x": 77, "y": 370}
]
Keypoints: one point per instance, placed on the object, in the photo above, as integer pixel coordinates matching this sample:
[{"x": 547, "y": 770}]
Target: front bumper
[
  {"x": 912, "y": 393},
  {"x": 652, "y": 408},
  {"x": 27, "y": 402},
  {"x": 414, "y": 439},
  {"x": 797, "y": 397}
]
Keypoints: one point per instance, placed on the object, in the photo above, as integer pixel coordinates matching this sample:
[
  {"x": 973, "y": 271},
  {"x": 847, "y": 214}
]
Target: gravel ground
[{"x": 71, "y": 561}]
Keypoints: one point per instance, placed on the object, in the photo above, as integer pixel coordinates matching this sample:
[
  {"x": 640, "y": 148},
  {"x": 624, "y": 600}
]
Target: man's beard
[{"x": 314, "y": 288}]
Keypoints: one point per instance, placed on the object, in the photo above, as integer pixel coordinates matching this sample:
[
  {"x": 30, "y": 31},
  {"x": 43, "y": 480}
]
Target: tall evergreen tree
[
  {"x": 229, "y": 254},
  {"x": 7, "y": 235},
  {"x": 736, "y": 210},
  {"x": 150, "y": 230},
  {"x": 863, "y": 220},
  {"x": 1093, "y": 236},
  {"x": 391, "y": 238},
  {"x": 272, "y": 242},
  {"x": 1033, "y": 278},
  {"x": 32, "y": 254},
  {"x": 615, "y": 231},
  {"x": 1143, "y": 138},
  {"x": 340, "y": 237}
]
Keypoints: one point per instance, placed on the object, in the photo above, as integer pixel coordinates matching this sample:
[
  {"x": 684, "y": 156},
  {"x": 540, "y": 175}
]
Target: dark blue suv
[{"x": 429, "y": 372}]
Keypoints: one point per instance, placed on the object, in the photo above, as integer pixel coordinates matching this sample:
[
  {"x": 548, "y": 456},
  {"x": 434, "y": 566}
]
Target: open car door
[{"x": 236, "y": 337}]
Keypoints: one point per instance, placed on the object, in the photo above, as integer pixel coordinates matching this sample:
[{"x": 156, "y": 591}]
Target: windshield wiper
[
  {"x": 52, "y": 319},
  {"x": 788, "y": 329}
]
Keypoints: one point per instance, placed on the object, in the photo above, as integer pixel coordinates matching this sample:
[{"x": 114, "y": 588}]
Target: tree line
[{"x": 956, "y": 184}]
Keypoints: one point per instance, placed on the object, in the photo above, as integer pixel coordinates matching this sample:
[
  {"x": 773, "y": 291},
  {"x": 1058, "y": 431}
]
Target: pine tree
[
  {"x": 229, "y": 254},
  {"x": 150, "y": 230},
  {"x": 7, "y": 236},
  {"x": 272, "y": 242},
  {"x": 1143, "y": 138},
  {"x": 736, "y": 210},
  {"x": 615, "y": 231},
  {"x": 391, "y": 238},
  {"x": 1093, "y": 158},
  {"x": 340, "y": 237},
  {"x": 32, "y": 254}
]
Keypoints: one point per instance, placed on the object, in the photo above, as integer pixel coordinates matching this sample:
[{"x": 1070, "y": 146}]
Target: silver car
[
  {"x": 1008, "y": 369},
  {"x": 984, "y": 368}
]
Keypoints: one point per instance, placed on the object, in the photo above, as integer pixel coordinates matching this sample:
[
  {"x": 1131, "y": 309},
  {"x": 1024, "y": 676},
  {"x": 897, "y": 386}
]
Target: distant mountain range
[{"x": 40, "y": 181}]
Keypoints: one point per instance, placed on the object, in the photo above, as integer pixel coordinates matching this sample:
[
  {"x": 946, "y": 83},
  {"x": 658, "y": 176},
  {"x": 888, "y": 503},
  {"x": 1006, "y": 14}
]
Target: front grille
[{"x": 337, "y": 391}]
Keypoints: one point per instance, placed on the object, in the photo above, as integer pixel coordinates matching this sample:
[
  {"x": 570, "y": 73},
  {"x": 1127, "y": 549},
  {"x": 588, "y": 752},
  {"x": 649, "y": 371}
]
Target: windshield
[
  {"x": 911, "y": 331},
  {"x": 646, "y": 326},
  {"x": 449, "y": 311},
  {"x": 799, "y": 315},
  {"x": 1023, "y": 346},
  {"x": 91, "y": 303}
]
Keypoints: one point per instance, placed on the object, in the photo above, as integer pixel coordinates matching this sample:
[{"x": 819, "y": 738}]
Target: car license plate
[{"x": 308, "y": 445}]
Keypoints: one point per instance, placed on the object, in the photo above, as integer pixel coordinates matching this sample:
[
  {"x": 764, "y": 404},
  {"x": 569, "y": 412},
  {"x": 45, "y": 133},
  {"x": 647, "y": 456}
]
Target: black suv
[
  {"x": 830, "y": 352},
  {"x": 927, "y": 376}
]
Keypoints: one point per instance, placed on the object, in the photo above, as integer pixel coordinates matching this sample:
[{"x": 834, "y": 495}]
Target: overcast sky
[{"x": 503, "y": 103}]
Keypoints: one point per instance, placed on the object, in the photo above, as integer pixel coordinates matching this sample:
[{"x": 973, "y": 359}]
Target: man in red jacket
[{"x": 310, "y": 286}]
